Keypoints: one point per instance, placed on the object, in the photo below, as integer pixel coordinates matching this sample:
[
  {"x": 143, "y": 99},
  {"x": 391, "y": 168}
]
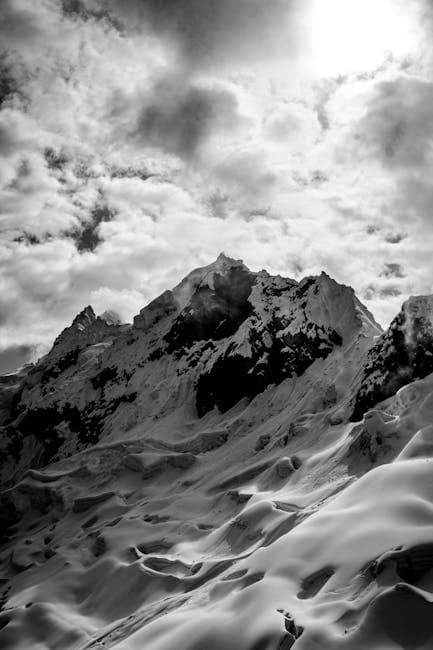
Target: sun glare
[{"x": 350, "y": 35}]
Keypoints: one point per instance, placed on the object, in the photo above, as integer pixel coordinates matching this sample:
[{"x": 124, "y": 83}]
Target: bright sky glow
[{"x": 348, "y": 35}]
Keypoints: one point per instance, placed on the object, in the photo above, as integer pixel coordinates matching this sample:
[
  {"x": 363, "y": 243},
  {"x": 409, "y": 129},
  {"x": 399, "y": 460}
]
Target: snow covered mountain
[
  {"x": 223, "y": 334},
  {"x": 224, "y": 473}
]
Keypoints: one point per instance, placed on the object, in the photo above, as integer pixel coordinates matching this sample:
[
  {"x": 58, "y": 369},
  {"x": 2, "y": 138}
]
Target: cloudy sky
[{"x": 140, "y": 138}]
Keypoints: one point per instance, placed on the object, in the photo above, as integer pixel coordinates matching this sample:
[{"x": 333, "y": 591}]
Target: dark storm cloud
[
  {"x": 395, "y": 238},
  {"x": 373, "y": 291},
  {"x": 396, "y": 132},
  {"x": 27, "y": 238},
  {"x": 85, "y": 11},
  {"x": 390, "y": 292},
  {"x": 178, "y": 118},
  {"x": 393, "y": 270},
  {"x": 15, "y": 356},
  {"x": 209, "y": 31},
  {"x": 23, "y": 26},
  {"x": 7, "y": 140},
  {"x": 88, "y": 238},
  {"x": 131, "y": 172},
  {"x": 55, "y": 159},
  {"x": 399, "y": 122},
  {"x": 427, "y": 11},
  {"x": 8, "y": 81},
  {"x": 17, "y": 23}
]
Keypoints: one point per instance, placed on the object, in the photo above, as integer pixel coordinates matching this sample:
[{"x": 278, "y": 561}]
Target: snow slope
[{"x": 224, "y": 473}]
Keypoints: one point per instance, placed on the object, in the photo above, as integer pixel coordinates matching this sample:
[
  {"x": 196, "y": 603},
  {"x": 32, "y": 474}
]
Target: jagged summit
[
  {"x": 222, "y": 264},
  {"x": 224, "y": 334},
  {"x": 225, "y": 261},
  {"x": 225, "y": 290},
  {"x": 85, "y": 318},
  {"x": 204, "y": 276},
  {"x": 195, "y": 291},
  {"x": 86, "y": 329}
]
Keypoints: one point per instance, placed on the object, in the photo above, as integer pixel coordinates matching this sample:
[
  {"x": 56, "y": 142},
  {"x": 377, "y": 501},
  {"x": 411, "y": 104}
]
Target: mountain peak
[
  {"x": 204, "y": 276},
  {"x": 224, "y": 261},
  {"x": 85, "y": 318},
  {"x": 181, "y": 297},
  {"x": 86, "y": 329},
  {"x": 222, "y": 265}
]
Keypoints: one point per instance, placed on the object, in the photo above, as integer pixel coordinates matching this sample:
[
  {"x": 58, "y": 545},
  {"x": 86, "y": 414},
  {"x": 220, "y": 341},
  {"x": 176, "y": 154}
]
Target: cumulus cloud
[
  {"x": 129, "y": 130},
  {"x": 397, "y": 121},
  {"x": 395, "y": 136},
  {"x": 393, "y": 269},
  {"x": 178, "y": 116},
  {"x": 213, "y": 32},
  {"x": 88, "y": 237},
  {"x": 21, "y": 22},
  {"x": 14, "y": 357}
]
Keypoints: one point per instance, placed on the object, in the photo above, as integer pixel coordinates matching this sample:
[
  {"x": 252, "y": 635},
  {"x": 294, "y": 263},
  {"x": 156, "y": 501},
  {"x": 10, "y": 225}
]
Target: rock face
[
  {"x": 403, "y": 353},
  {"x": 44, "y": 406},
  {"x": 201, "y": 464},
  {"x": 289, "y": 327},
  {"x": 87, "y": 329}
]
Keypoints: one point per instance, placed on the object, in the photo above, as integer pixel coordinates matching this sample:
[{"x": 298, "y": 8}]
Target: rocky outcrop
[{"x": 403, "y": 353}]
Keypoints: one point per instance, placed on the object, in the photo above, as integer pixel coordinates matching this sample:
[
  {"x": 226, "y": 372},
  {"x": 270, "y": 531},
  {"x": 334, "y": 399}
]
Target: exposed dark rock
[
  {"x": 293, "y": 631},
  {"x": 233, "y": 376},
  {"x": 99, "y": 546},
  {"x": 156, "y": 311},
  {"x": 214, "y": 313},
  {"x": 403, "y": 353},
  {"x": 44, "y": 425},
  {"x": 106, "y": 375},
  {"x": 69, "y": 360}
]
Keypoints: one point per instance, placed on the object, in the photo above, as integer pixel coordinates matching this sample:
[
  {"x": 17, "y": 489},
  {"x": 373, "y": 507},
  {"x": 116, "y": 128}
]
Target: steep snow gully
[{"x": 248, "y": 466}]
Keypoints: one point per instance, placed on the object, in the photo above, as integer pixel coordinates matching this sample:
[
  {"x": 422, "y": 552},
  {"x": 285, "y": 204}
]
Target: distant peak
[
  {"x": 88, "y": 310},
  {"x": 110, "y": 317}
]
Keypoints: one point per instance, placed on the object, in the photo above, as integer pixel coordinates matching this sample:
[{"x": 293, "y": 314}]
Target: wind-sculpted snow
[{"x": 266, "y": 521}]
